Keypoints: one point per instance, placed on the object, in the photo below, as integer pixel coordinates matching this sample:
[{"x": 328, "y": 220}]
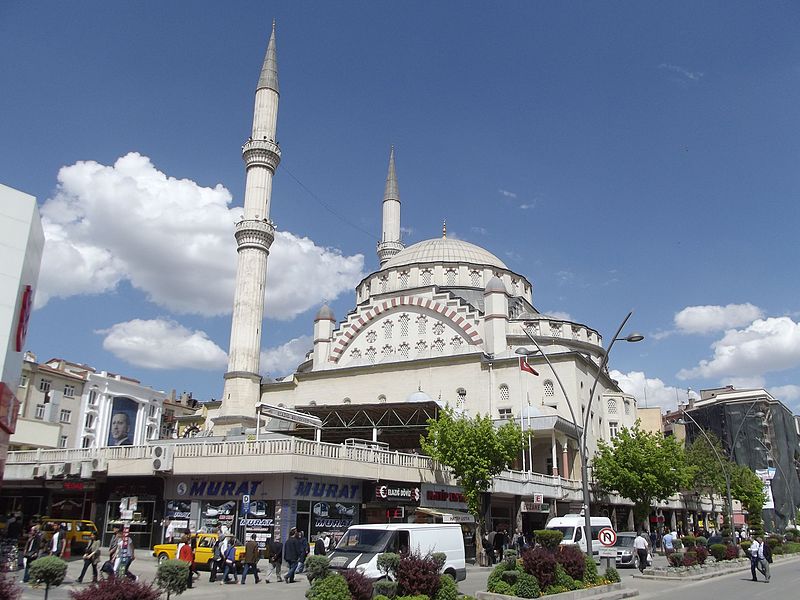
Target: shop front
[
  {"x": 319, "y": 505},
  {"x": 447, "y": 504},
  {"x": 135, "y": 503},
  {"x": 390, "y": 501},
  {"x": 535, "y": 514}
]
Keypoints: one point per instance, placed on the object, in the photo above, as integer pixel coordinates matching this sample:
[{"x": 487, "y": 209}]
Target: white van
[
  {"x": 361, "y": 545},
  {"x": 572, "y": 527}
]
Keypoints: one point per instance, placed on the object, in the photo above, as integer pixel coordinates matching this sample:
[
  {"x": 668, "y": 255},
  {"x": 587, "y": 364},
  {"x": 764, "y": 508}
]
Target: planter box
[{"x": 608, "y": 592}]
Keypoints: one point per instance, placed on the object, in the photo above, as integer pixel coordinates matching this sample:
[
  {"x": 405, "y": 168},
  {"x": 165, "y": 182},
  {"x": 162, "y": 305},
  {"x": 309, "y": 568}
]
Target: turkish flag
[{"x": 523, "y": 365}]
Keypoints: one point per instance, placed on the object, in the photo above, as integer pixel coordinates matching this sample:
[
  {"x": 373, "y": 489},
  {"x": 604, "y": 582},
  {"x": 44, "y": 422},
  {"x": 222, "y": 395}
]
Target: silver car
[{"x": 626, "y": 554}]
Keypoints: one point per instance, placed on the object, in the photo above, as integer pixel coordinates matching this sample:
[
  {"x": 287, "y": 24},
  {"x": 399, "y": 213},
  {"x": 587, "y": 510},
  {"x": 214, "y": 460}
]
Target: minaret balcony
[
  {"x": 261, "y": 153},
  {"x": 251, "y": 233},
  {"x": 388, "y": 249}
]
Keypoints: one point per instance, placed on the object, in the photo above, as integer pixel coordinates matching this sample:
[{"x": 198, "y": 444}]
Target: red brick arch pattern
[{"x": 359, "y": 323}]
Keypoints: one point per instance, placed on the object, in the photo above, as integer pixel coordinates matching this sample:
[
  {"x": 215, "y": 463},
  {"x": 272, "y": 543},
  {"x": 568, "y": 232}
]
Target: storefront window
[
  {"x": 218, "y": 516},
  {"x": 259, "y": 520},
  {"x": 138, "y": 516}
]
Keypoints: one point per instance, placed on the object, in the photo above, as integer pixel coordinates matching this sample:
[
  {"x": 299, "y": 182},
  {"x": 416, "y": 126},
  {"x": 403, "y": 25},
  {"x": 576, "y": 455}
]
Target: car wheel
[
  {"x": 162, "y": 557},
  {"x": 636, "y": 561}
]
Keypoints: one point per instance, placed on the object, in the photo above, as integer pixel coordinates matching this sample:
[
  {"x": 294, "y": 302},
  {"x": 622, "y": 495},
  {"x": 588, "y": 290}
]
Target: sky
[{"x": 622, "y": 156}]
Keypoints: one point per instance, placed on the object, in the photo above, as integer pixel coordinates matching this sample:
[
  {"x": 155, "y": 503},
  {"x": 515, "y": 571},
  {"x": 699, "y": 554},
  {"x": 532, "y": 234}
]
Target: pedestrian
[
  {"x": 653, "y": 538},
  {"x": 319, "y": 545},
  {"x": 217, "y": 558},
  {"x": 230, "y": 562},
  {"x": 292, "y": 552},
  {"x": 765, "y": 559},
  {"x": 125, "y": 556},
  {"x": 304, "y": 551},
  {"x": 33, "y": 548},
  {"x": 668, "y": 543},
  {"x": 499, "y": 543},
  {"x": 488, "y": 549},
  {"x": 640, "y": 544},
  {"x": 90, "y": 559},
  {"x": 250, "y": 558},
  {"x": 755, "y": 550},
  {"x": 58, "y": 541},
  {"x": 275, "y": 558},
  {"x": 327, "y": 540},
  {"x": 186, "y": 554}
]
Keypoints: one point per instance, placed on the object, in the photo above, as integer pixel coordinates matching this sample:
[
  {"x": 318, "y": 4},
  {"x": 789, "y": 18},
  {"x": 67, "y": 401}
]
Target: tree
[
  {"x": 172, "y": 576},
  {"x": 475, "y": 451},
  {"x": 748, "y": 488},
  {"x": 49, "y": 570},
  {"x": 641, "y": 466},
  {"x": 706, "y": 457}
]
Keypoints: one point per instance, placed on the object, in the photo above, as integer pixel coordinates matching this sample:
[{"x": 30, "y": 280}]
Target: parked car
[
  {"x": 203, "y": 550},
  {"x": 626, "y": 555},
  {"x": 79, "y": 532}
]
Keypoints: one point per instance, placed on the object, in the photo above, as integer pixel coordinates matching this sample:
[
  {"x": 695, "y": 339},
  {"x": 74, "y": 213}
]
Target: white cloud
[
  {"x": 708, "y": 319},
  {"x": 283, "y": 359},
  {"x": 766, "y": 345},
  {"x": 527, "y": 206},
  {"x": 173, "y": 240},
  {"x": 480, "y": 230},
  {"x": 692, "y": 75},
  {"x": 559, "y": 314},
  {"x": 163, "y": 344},
  {"x": 789, "y": 395},
  {"x": 651, "y": 392},
  {"x": 507, "y": 194},
  {"x": 406, "y": 230}
]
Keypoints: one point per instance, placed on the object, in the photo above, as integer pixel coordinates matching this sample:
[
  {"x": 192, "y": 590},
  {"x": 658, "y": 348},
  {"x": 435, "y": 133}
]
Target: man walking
[
  {"x": 292, "y": 552},
  {"x": 90, "y": 559},
  {"x": 640, "y": 544},
  {"x": 217, "y": 558},
  {"x": 319, "y": 546},
  {"x": 250, "y": 559},
  {"x": 755, "y": 550},
  {"x": 275, "y": 559},
  {"x": 32, "y": 549}
]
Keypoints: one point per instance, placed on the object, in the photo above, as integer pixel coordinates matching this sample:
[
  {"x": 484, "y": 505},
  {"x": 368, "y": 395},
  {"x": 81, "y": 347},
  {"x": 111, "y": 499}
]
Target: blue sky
[{"x": 629, "y": 155}]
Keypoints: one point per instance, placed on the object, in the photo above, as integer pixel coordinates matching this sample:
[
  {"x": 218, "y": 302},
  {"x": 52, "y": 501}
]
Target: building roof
[{"x": 447, "y": 250}]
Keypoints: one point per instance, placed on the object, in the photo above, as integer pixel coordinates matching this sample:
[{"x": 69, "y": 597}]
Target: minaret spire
[
  {"x": 254, "y": 235},
  {"x": 390, "y": 243}
]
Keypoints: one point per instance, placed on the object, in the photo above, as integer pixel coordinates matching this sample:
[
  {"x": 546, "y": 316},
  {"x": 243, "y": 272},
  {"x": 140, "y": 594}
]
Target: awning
[{"x": 447, "y": 516}]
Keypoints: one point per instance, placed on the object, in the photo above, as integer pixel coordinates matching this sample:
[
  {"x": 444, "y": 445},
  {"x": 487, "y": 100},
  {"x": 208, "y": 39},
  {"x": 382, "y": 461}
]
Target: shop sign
[
  {"x": 321, "y": 489},
  {"x": 395, "y": 492},
  {"x": 332, "y": 515},
  {"x": 178, "y": 509},
  {"x": 217, "y": 489},
  {"x": 535, "y": 507},
  {"x": 260, "y": 523},
  {"x": 443, "y": 496}
]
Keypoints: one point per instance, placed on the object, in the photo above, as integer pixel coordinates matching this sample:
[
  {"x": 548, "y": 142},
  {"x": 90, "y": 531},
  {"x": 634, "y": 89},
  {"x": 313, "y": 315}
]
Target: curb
[
  {"x": 612, "y": 591},
  {"x": 742, "y": 564}
]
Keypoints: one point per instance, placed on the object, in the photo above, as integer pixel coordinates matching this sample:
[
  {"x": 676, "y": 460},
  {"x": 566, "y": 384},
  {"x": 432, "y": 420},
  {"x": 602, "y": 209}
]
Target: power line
[{"x": 327, "y": 206}]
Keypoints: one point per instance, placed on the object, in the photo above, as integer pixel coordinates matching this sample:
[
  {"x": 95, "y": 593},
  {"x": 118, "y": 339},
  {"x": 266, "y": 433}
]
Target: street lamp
[{"x": 583, "y": 449}]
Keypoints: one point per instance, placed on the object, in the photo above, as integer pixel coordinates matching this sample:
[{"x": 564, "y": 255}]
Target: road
[{"x": 785, "y": 583}]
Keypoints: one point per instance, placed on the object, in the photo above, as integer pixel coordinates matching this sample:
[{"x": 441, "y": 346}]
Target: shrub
[
  {"x": 381, "y": 597},
  {"x": 690, "y": 559},
  {"x": 549, "y": 538},
  {"x": 590, "y": 576},
  {"x": 49, "y": 570},
  {"x": 774, "y": 542},
  {"x": 791, "y": 547},
  {"x": 675, "y": 559},
  {"x": 510, "y": 558},
  {"x": 689, "y": 541},
  {"x": 9, "y": 589},
  {"x": 718, "y": 551},
  {"x": 677, "y": 544},
  {"x": 612, "y": 575},
  {"x": 510, "y": 577},
  {"x": 439, "y": 558},
  {"x": 527, "y": 586},
  {"x": 387, "y": 563},
  {"x": 318, "y": 566},
  {"x": 448, "y": 590},
  {"x": 417, "y": 575},
  {"x": 540, "y": 563},
  {"x": 495, "y": 576},
  {"x": 332, "y": 587},
  {"x": 416, "y": 597},
  {"x": 573, "y": 561},
  {"x": 563, "y": 579},
  {"x": 792, "y": 535},
  {"x": 777, "y": 550},
  {"x": 731, "y": 551},
  {"x": 386, "y": 588},
  {"x": 120, "y": 588},
  {"x": 360, "y": 585},
  {"x": 701, "y": 541},
  {"x": 500, "y": 587},
  {"x": 172, "y": 576},
  {"x": 555, "y": 589},
  {"x": 746, "y": 546},
  {"x": 702, "y": 554},
  {"x": 578, "y": 584}
]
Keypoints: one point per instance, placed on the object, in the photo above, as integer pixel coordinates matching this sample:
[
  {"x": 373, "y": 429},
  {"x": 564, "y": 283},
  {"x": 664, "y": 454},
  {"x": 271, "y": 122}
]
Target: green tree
[
  {"x": 748, "y": 488},
  {"x": 708, "y": 475},
  {"x": 475, "y": 450},
  {"x": 49, "y": 570},
  {"x": 643, "y": 467},
  {"x": 172, "y": 576}
]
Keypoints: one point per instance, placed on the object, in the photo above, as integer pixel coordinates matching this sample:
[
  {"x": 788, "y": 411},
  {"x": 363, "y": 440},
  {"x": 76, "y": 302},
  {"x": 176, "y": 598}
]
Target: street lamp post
[{"x": 581, "y": 432}]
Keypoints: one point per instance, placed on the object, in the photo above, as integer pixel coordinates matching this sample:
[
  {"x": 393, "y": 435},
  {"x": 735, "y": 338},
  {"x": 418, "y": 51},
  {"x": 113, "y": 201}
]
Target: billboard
[
  {"x": 766, "y": 476},
  {"x": 122, "y": 427}
]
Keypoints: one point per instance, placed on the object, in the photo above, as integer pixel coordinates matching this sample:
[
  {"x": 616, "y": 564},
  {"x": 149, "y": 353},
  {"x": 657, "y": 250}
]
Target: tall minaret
[
  {"x": 390, "y": 243},
  {"x": 254, "y": 235}
]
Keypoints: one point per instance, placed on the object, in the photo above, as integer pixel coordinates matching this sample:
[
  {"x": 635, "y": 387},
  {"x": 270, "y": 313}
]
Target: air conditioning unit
[
  {"x": 86, "y": 469},
  {"x": 99, "y": 464},
  {"x": 74, "y": 469},
  {"x": 58, "y": 470},
  {"x": 40, "y": 472},
  {"x": 163, "y": 458}
]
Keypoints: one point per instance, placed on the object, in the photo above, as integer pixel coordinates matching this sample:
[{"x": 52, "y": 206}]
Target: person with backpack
[{"x": 230, "y": 562}]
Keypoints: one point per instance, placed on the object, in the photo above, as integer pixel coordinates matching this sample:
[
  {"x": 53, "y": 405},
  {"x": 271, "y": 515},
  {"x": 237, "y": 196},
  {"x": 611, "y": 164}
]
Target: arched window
[
  {"x": 355, "y": 354},
  {"x": 505, "y": 395},
  {"x": 422, "y": 324},
  {"x": 549, "y": 389},
  {"x": 426, "y": 276},
  {"x": 475, "y": 278},
  {"x": 612, "y": 406},
  {"x": 438, "y": 328},
  {"x": 450, "y": 276},
  {"x": 404, "y": 319},
  {"x": 404, "y": 279},
  {"x": 312, "y": 403},
  {"x": 438, "y": 345},
  {"x": 384, "y": 282},
  {"x": 403, "y": 349},
  {"x": 387, "y": 328},
  {"x": 371, "y": 354},
  {"x": 456, "y": 343},
  {"x": 462, "y": 396},
  {"x": 387, "y": 351}
]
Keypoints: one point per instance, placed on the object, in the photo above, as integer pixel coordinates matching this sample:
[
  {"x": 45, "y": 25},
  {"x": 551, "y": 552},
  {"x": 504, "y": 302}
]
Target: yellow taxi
[
  {"x": 79, "y": 532},
  {"x": 203, "y": 550}
]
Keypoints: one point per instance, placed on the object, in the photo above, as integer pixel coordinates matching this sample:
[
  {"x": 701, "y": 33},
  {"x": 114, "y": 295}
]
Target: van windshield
[
  {"x": 568, "y": 532},
  {"x": 364, "y": 540}
]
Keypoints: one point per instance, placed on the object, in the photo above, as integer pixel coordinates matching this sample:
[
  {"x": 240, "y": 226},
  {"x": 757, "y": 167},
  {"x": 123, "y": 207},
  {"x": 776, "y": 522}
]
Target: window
[
  {"x": 92, "y": 397},
  {"x": 505, "y": 413},
  {"x": 475, "y": 278},
  {"x": 404, "y": 319},
  {"x": 422, "y": 324},
  {"x": 23, "y": 380},
  {"x": 462, "y": 396},
  {"x": 403, "y": 279},
  {"x": 612, "y": 406},
  {"x": 371, "y": 336},
  {"x": 152, "y": 410},
  {"x": 438, "y": 329},
  {"x": 62, "y": 441},
  {"x": 450, "y": 276},
  {"x": 381, "y": 399},
  {"x": 89, "y": 422},
  {"x": 387, "y": 351},
  {"x": 549, "y": 390},
  {"x": 371, "y": 353},
  {"x": 387, "y": 329},
  {"x": 69, "y": 391},
  {"x": 65, "y": 416},
  {"x": 627, "y": 407},
  {"x": 346, "y": 401},
  {"x": 438, "y": 345},
  {"x": 355, "y": 354},
  {"x": 421, "y": 346},
  {"x": 456, "y": 343},
  {"x": 40, "y": 411},
  {"x": 384, "y": 282},
  {"x": 505, "y": 395},
  {"x": 403, "y": 349},
  {"x": 613, "y": 429},
  {"x": 44, "y": 385},
  {"x": 426, "y": 276},
  {"x": 87, "y": 441},
  {"x": 150, "y": 432}
]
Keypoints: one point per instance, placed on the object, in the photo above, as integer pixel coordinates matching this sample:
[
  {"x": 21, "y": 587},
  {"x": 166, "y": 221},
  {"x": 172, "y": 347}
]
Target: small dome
[
  {"x": 447, "y": 250},
  {"x": 325, "y": 314},
  {"x": 418, "y": 396},
  {"x": 495, "y": 285},
  {"x": 531, "y": 411}
]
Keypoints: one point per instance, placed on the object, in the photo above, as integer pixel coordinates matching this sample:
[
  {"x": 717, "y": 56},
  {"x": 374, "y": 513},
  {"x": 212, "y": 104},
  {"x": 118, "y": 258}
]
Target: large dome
[{"x": 444, "y": 250}]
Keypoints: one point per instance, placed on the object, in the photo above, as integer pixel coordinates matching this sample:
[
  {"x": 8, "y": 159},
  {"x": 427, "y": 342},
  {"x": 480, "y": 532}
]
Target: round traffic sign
[{"x": 607, "y": 536}]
